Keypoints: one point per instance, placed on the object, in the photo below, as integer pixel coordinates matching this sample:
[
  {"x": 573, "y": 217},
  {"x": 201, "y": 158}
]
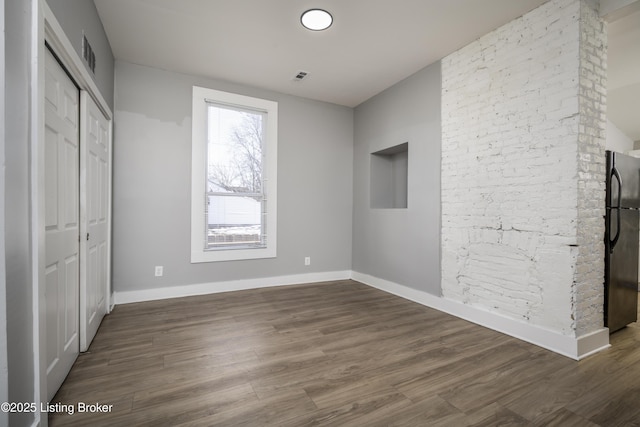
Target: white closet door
[
  {"x": 62, "y": 225},
  {"x": 94, "y": 271}
]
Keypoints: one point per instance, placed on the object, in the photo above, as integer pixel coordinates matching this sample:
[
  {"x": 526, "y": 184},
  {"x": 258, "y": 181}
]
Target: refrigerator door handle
[{"x": 612, "y": 243}]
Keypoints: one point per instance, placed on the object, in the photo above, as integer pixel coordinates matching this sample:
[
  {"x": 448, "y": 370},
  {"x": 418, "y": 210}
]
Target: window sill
[{"x": 231, "y": 255}]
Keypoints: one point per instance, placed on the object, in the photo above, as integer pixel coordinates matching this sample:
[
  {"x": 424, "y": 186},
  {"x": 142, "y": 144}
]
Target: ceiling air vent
[
  {"x": 300, "y": 76},
  {"x": 88, "y": 54}
]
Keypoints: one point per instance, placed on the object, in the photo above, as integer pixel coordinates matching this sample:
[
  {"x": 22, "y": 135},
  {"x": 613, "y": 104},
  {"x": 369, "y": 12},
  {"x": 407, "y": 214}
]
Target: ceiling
[{"x": 371, "y": 45}]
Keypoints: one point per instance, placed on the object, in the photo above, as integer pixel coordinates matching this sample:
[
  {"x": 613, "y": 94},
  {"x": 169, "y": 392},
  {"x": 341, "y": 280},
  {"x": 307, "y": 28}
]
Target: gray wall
[
  {"x": 4, "y": 372},
  {"x": 152, "y": 184},
  {"x": 400, "y": 245},
  {"x": 16, "y": 205},
  {"x": 81, "y": 16}
]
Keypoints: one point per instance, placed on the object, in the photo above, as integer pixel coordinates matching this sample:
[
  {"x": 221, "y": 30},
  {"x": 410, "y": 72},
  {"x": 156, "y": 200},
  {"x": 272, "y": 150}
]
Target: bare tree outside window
[{"x": 242, "y": 171}]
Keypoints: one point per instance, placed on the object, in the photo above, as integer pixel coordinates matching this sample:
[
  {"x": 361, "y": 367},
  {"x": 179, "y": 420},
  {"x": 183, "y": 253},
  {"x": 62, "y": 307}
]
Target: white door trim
[{"x": 45, "y": 28}]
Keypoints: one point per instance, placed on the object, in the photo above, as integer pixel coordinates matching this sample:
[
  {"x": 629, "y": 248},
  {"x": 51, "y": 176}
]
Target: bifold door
[
  {"x": 94, "y": 271},
  {"x": 77, "y": 218},
  {"x": 62, "y": 222}
]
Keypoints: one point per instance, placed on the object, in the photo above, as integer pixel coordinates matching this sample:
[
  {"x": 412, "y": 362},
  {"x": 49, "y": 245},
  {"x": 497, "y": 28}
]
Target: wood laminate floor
[{"x": 340, "y": 354}]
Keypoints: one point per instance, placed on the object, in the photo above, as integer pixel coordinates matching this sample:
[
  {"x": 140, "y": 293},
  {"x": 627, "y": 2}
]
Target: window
[{"x": 233, "y": 187}]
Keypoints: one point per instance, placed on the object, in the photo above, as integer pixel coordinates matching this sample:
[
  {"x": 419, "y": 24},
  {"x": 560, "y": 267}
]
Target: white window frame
[{"x": 201, "y": 98}]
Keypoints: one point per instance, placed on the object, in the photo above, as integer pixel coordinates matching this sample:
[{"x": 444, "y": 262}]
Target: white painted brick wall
[
  {"x": 589, "y": 272},
  {"x": 522, "y": 179}
]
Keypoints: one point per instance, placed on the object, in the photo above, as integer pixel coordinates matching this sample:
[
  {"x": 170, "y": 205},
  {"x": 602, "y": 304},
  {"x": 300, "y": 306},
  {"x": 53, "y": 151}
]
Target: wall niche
[{"x": 389, "y": 172}]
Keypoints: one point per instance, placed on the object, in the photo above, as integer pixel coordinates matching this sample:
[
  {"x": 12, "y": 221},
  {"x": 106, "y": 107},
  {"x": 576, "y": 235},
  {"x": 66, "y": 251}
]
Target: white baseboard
[
  {"x": 593, "y": 342},
  {"x": 234, "y": 285},
  {"x": 572, "y": 347}
]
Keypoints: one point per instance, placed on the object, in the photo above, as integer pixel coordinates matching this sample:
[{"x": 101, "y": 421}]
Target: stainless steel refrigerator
[{"x": 621, "y": 240}]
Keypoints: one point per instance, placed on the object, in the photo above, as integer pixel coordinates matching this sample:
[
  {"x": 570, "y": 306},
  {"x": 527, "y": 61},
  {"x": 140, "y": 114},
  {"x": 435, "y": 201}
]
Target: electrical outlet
[
  {"x": 159, "y": 270},
  {"x": 307, "y": 260}
]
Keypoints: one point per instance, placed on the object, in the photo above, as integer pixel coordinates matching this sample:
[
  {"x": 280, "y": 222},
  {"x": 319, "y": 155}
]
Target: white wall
[
  {"x": 152, "y": 178},
  {"x": 522, "y": 170},
  {"x": 587, "y": 288},
  {"x": 617, "y": 140}
]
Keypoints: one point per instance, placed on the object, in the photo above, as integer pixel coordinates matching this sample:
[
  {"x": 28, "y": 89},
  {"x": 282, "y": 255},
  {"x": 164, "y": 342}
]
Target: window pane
[
  {"x": 234, "y": 178},
  {"x": 235, "y": 140},
  {"x": 234, "y": 221}
]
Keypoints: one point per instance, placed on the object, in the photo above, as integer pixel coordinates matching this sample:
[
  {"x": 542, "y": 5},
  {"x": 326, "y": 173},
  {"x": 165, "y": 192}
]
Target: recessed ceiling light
[{"x": 316, "y": 19}]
